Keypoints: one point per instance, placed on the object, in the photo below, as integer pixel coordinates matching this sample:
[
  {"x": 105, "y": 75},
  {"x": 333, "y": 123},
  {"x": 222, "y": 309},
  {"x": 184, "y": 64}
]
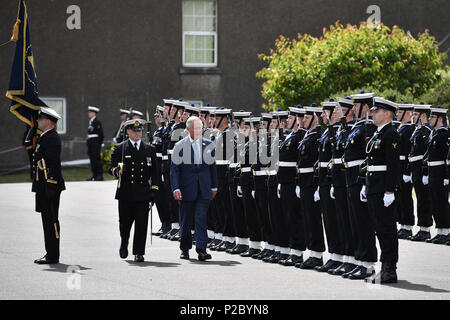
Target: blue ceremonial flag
[{"x": 22, "y": 89}]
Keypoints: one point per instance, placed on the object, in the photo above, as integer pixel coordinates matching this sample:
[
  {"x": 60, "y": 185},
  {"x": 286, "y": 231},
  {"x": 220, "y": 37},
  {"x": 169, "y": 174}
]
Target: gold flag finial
[{"x": 15, "y": 34}]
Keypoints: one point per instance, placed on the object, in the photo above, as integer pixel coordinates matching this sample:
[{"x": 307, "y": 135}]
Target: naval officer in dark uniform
[
  {"x": 134, "y": 163},
  {"x": 382, "y": 181},
  {"x": 94, "y": 143},
  {"x": 48, "y": 182}
]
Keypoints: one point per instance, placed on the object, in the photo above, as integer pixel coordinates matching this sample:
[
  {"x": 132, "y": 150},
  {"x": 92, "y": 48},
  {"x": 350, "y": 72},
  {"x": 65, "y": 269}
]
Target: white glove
[
  {"x": 114, "y": 140},
  {"x": 445, "y": 182},
  {"x": 162, "y": 178},
  {"x": 317, "y": 195},
  {"x": 103, "y": 145},
  {"x": 239, "y": 191},
  {"x": 332, "y": 192},
  {"x": 253, "y": 194},
  {"x": 406, "y": 178},
  {"x": 297, "y": 191},
  {"x": 388, "y": 199},
  {"x": 279, "y": 191},
  {"x": 425, "y": 180},
  {"x": 362, "y": 194}
]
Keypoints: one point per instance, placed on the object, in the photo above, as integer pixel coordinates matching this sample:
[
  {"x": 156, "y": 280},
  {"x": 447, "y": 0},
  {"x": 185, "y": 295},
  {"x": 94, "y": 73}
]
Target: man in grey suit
[{"x": 193, "y": 178}]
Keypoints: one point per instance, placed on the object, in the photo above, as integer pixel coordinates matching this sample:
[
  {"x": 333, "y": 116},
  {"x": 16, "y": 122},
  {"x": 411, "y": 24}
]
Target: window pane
[
  {"x": 190, "y": 44},
  {"x": 189, "y": 58},
  {"x": 209, "y": 56},
  {"x": 188, "y": 23},
  {"x": 199, "y": 56},
  {"x": 188, "y": 7}
]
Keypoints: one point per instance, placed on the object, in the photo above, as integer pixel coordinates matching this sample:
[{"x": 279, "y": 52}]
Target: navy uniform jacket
[
  {"x": 384, "y": 149},
  {"x": 419, "y": 146},
  {"x": 405, "y": 131},
  {"x": 338, "y": 170},
  {"x": 325, "y": 155},
  {"x": 48, "y": 147},
  {"x": 438, "y": 151},
  {"x": 194, "y": 181},
  {"x": 95, "y": 128},
  {"x": 289, "y": 153},
  {"x": 139, "y": 171},
  {"x": 308, "y": 154},
  {"x": 246, "y": 178}
]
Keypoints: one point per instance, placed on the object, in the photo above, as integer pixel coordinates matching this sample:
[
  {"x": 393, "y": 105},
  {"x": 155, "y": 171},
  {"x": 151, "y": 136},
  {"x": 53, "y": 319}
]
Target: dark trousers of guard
[
  {"x": 439, "y": 197},
  {"x": 405, "y": 205},
  {"x": 251, "y": 215},
  {"x": 223, "y": 207},
  {"x": 334, "y": 241},
  {"x": 292, "y": 215},
  {"x": 362, "y": 226},
  {"x": 275, "y": 214},
  {"x": 424, "y": 216},
  {"x": 262, "y": 205},
  {"x": 385, "y": 227},
  {"x": 238, "y": 213},
  {"x": 343, "y": 219},
  {"x": 211, "y": 216},
  {"x": 94, "y": 149},
  {"x": 313, "y": 219},
  {"x": 134, "y": 212},
  {"x": 49, "y": 208},
  {"x": 162, "y": 206},
  {"x": 168, "y": 196}
]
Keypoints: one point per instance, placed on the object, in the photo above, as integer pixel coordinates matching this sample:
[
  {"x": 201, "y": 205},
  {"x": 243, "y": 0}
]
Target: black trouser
[
  {"x": 334, "y": 241},
  {"x": 362, "y": 226},
  {"x": 137, "y": 212},
  {"x": 424, "y": 216},
  {"x": 238, "y": 213},
  {"x": 211, "y": 216},
  {"x": 168, "y": 198},
  {"x": 343, "y": 219},
  {"x": 275, "y": 214},
  {"x": 223, "y": 207},
  {"x": 294, "y": 224},
  {"x": 405, "y": 205},
  {"x": 385, "y": 226},
  {"x": 49, "y": 208},
  {"x": 251, "y": 215},
  {"x": 439, "y": 198},
  {"x": 162, "y": 206},
  {"x": 262, "y": 206},
  {"x": 94, "y": 149},
  {"x": 313, "y": 219}
]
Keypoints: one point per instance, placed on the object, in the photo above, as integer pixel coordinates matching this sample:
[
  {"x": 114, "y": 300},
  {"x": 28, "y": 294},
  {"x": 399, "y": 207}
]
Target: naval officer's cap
[
  {"x": 381, "y": 103},
  {"x": 49, "y": 113},
  {"x": 93, "y": 109},
  {"x": 135, "y": 124},
  {"x": 329, "y": 105}
]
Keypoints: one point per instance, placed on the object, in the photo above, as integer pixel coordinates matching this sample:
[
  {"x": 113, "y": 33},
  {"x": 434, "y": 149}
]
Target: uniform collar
[{"x": 138, "y": 143}]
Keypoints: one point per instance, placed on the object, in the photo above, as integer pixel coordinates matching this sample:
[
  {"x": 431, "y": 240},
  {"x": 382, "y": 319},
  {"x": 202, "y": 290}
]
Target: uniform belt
[
  {"x": 354, "y": 163},
  {"x": 169, "y": 151},
  {"x": 402, "y": 157},
  {"x": 376, "y": 168},
  {"x": 222, "y": 162},
  {"x": 287, "y": 164},
  {"x": 248, "y": 169},
  {"x": 159, "y": 155},
  {"x": 337, "y": 161},
  {"x": 260, "y": 173},
  {"x": 165, "y": 157},
  {"x": 436, "y": 163},
  {"x": 324, "y": 164},
  {"x": 305, "y": 170},
  {"x": 92, "y": 136},
  {"x": 416, "y": 158},
  {"x": 271, "y": 172},
  {"x": 234, "y": 165}
]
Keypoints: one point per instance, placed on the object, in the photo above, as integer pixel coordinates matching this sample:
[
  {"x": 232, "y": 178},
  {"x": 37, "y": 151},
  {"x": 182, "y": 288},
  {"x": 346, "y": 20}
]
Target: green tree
[{"x": 308, "y": 69}]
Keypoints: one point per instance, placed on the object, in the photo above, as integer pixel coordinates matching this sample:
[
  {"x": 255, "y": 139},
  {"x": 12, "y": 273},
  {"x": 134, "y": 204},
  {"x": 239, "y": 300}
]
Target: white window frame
[
  {"x": 200, "y": 33},
  {"x": 64, "y": 111}
]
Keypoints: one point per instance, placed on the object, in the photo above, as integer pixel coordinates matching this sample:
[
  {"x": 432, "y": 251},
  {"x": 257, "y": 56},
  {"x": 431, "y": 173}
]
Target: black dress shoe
[
  {"x": 202, "y": 256},
  {"x": 344, "y": 268},
  {"x": 184, "y": 255},
  {"x": 331, "y": 264},
  {"x": 421, "y": 236},
  {"x": 224, "y": 245},
  {"x": 175, "y": 236},
  {"x": 138, "y": 258},
  {"x": 388, "y": 274},
  {"x": 291, "y": 261},
  {"x": 231, "y": 249},
  {"x": 361, "y": 273},
  {"x": 215, "y": 244},
  {"x": 250, "y": 253},
  {"x": 239, "y": 249},
  {"x": 99, "y": 178},
  {"x": 268, "y": 257},
  {"x": 158, "y": 233},
  {"x": 123, "y": 252},
  {"x": 310, "y": 263},
  {"x": 439, "y": 239},
  {"x": 91, "y": 179},
  {"x": 46, "y": 260},
  {"x": 404, "y": 234},
  {"x": 169, "y": 233},
  {"x": 355, "y": 269},
  {"x": 265, "y": 255}
]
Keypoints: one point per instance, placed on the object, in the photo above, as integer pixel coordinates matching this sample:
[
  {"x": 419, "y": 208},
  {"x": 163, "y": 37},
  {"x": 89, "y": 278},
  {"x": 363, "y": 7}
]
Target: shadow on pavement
[
  {"x": 153, "y": 264},
  {"x": 216, "y": 263},
  {"x": 65, "y": 268},
  {"x": 403, "y": 284}
]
